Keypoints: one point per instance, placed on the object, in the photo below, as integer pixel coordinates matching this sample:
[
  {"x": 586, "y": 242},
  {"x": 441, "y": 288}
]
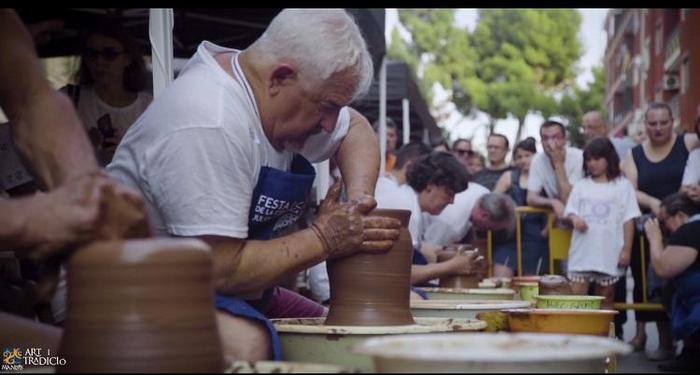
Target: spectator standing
[
  {"x": 110, "y": 94},
  {"x": 601, "y": 207},
  {"x": 555, "y": 170},
  {"x": 534, "y": 244},
  {"x": 462, "y": 149},
  {"x": 497, "y": 147},
  {"x": 392, "y": 138},
  {"x": 594, "y": 126},
  {"x": 655, "y": 169}
]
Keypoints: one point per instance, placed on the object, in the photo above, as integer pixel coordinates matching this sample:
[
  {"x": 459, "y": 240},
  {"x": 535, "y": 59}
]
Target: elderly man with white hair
[{"x": 223, "y": 155}]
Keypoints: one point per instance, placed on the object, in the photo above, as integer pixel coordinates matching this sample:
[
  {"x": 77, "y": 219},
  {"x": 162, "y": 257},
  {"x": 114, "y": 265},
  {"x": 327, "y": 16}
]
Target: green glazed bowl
[{"x": 569, "y": 302}]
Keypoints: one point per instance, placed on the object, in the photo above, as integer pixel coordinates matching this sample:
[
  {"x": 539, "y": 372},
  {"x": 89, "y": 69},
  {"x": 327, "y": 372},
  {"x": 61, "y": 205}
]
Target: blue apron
[{"x": 279, "y": 200}]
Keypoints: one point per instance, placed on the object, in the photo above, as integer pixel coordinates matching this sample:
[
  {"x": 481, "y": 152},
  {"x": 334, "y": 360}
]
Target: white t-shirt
[
  {"x": 386, "y": 184},
  {"x": 542, "y": 173},
  {"x": 691, "y": 175},
  {"x": 196, "y": 153},
  {"x": 453, "y": 223},
  {"x": 391, "y": 195},
  {"x": 91, "y": 108},
  {"x": 605, "y": 207}
]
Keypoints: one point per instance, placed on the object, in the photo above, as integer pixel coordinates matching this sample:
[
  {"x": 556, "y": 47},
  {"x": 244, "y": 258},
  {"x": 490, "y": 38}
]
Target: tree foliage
[
  {"x": 512, "y": 63},
  {"x": 576, "y": 102}
]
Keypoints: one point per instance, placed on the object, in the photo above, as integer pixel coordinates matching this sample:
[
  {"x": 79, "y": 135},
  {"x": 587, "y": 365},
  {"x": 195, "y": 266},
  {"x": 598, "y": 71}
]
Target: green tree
[
  {"x": 439, "y": 50},
  {"x": 525, "y": 56},
  {"x": 513, "y": 63}
]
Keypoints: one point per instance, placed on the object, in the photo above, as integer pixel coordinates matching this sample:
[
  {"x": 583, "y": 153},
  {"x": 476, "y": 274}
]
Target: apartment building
[{"x": 652, "y": 55}]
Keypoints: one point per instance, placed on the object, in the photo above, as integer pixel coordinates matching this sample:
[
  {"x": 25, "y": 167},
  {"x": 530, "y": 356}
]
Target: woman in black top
[{"x": 655, "y": 169}]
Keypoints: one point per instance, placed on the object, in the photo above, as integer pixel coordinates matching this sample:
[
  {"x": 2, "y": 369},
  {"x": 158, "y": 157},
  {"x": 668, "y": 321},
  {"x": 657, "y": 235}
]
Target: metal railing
[{"x": 642, "y": 306}]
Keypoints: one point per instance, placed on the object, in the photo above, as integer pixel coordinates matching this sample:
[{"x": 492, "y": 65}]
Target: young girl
[{"x": 602, "y": 207}]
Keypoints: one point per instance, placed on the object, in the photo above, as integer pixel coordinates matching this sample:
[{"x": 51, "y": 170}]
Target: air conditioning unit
[{"x": 671, "y": 82}]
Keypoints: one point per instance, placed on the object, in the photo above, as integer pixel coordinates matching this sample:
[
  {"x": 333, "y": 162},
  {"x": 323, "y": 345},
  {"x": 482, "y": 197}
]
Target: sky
[{"x": 593, "y": 41}]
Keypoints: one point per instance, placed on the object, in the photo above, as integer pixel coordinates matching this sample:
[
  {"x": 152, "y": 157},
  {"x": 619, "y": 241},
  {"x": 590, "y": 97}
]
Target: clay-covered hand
[
  {"x": 579, "y": 224},
  {"x": 88, "y": 208},
  {"x": 63, "y": 217},
  {"x": 465, "y": 263},
  {"x": 345, "y": 228}
]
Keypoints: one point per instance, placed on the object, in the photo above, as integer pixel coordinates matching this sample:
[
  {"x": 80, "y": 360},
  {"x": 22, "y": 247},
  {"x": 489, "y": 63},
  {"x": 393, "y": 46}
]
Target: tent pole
[
  {"x": 160, "y": 32},
  {"x": 382, "y": 117},
  {"x": 406, "y": 120}
]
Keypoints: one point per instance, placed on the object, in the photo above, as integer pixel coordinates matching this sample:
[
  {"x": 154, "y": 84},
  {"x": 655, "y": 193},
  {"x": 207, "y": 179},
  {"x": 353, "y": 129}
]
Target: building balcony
[{"x": 673, "y": 51}]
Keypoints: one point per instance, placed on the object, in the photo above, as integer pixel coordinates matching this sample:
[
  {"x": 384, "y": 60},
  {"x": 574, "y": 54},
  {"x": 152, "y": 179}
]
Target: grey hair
[
  {"x": 500, "y": 207},
  {"x": 319, "y": 42}
]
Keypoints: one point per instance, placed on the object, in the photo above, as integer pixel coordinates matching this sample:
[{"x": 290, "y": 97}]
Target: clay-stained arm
[
  {"x": 45, "y": 126},
  {"x": 358, "y": 157}
]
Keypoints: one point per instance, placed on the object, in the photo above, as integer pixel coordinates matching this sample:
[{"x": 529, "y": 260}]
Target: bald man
[{"x": 593, "y": 126}]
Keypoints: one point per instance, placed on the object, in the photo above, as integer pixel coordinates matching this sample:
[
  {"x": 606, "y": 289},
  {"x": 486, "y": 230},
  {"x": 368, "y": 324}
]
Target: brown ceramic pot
[
  {"x": 373, "y": 289},
  {"x": 457, "y": 281},
  {"x": 141, "y": 306},
  {"x": 554, "y": 285}
]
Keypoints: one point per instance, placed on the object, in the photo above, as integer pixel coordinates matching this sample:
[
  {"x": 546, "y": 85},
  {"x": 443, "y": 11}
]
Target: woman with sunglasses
[{"x": 110, "y": 94}]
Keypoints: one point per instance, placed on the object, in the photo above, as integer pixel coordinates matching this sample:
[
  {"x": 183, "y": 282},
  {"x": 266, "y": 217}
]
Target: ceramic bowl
[
  {"x": 310, "y": 340},
  {"x": 469, "y": 294},
  {"x": 586, "y": 322},
  {"x": 282, "y": 367},
  {"x": 568, "y": 302},
  {"x": 460, "y": 309},
  {"x": 491, "y": 353}
]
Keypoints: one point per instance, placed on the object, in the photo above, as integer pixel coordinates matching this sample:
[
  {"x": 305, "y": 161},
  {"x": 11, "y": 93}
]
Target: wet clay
[
  {"x": 141, "y": 306},
  {"x": 554, "y": 285},
  {"x": 120, "y": 218},
  {"x": 457, "y": 281},
  {"x": 373, "y": 289}
]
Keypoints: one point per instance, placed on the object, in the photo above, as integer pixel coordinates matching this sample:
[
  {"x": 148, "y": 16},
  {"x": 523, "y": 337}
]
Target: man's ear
[{"x": 282, "y": 75}]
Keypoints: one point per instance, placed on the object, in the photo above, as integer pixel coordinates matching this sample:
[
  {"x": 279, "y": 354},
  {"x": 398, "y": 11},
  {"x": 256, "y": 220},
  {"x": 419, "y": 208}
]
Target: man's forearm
[
  {"x": 424, "y": 273},
  {"x": 538, "y": 200},
  {"x": 242, "y": 267},
  {"x": 563, "y": 185},
  {"x": 657, "y": 258},
  {"x": 12, "y": 223},
  {"x": 54, "y": 151},
  {"x": 358, "y": 157},
  {"x": 45, "y": 127}
]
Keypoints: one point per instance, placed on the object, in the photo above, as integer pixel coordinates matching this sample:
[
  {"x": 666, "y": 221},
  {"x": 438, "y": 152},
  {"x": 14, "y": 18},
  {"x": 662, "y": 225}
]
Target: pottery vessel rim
[
  {"x": 528, "y": 283},
  {"x": 471, "y": 305},
  {"x": 284, "y": 367},
  {"x": 504, "y": 291},
  {"x": 424, "y": 325},
  {"x": 562, "y": 297},
  {"x": 482, "y": 347},
  {"x": 536, "y": 311},
  {"x": 138, "y": 251}
]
